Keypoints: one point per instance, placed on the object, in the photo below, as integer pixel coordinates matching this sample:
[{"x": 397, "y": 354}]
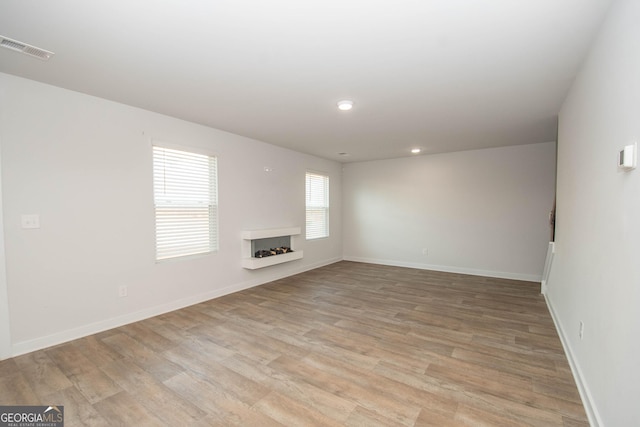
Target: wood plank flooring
[{"x": 350, "y": 344}]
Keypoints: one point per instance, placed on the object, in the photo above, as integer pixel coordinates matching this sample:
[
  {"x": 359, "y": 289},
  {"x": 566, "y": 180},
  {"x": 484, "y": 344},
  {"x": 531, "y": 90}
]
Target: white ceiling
[{"x": 443, "y": 75}]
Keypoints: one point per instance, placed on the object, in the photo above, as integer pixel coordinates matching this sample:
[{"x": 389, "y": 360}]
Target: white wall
[
  {"x": 5, "y": 332},
  {"x": 84, "y": 165},
  {"x": 595, "y": 277},
  {"x": 480, "y": 212}
]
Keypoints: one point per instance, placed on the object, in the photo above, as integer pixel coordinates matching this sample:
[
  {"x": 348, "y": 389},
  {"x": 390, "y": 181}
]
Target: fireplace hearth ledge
[{"x": 253, "y": 263}]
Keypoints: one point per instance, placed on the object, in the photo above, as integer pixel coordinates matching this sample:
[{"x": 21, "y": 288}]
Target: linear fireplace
[{"x": 263, "y": 248}]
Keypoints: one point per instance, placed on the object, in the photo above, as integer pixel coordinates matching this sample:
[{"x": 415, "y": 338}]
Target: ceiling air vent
[{"x": 17, "y": 46}]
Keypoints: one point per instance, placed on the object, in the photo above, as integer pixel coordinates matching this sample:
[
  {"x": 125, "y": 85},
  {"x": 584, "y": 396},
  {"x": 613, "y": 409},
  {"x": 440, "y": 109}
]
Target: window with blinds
[
  {"x": 185, "y": 190},
  {"x": 317, "y": 205}
]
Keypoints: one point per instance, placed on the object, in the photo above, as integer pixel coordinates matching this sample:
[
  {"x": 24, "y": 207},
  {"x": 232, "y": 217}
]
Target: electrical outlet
[
  {"x": 122, "y": 291},
  {"x": 581, "y": 329},
  {"x": 425, "y": 251},
  {"x": 30, "y": 221}
]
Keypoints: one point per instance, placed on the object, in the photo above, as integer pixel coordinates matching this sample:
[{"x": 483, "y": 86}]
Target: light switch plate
[
  {"x": 30, "y": 221},
  {"x": 628, "y": 157}
]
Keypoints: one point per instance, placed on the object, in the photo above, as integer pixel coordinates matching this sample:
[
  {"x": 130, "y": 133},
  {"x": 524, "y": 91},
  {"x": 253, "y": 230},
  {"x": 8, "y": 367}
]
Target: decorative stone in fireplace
[{"x": 255, "y": 241}]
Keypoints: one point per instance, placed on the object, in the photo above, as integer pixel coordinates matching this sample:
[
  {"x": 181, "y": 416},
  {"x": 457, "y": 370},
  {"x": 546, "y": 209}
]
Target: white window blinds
[
  {"x": 185, "y": 192},
  {"x": 317, "y": 204}
]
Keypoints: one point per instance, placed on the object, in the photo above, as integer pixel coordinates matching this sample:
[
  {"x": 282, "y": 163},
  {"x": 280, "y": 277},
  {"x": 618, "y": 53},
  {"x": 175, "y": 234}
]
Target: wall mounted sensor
[{"x": 628, "y": 157}]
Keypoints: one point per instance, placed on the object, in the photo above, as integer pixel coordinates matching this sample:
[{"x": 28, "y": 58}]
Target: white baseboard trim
[
  {"x": 40, "y": 343},
  {"x": 449, "y": 269},
  {"x": 94, "y": 328},
  {"x": 585, "y": 393}
]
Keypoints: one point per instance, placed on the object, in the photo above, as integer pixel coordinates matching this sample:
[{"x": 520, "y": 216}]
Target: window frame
[
  {"x": 322, "y": 207},
  {"x": 213, "y": 214}
]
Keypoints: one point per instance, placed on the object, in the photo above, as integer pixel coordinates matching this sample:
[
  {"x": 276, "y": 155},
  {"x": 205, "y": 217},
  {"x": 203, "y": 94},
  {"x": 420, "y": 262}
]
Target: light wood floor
[{"x": 348, "y": 344}]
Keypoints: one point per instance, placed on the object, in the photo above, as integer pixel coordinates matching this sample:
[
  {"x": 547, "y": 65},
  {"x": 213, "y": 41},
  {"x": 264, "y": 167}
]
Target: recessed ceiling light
[
  {"x": 415, "y": 150},
  {"x": 345, "y": 105}
]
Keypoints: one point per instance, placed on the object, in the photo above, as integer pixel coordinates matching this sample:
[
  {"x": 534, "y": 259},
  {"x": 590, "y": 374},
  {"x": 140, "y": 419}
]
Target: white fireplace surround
[{"x": 252, "y": 263}]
